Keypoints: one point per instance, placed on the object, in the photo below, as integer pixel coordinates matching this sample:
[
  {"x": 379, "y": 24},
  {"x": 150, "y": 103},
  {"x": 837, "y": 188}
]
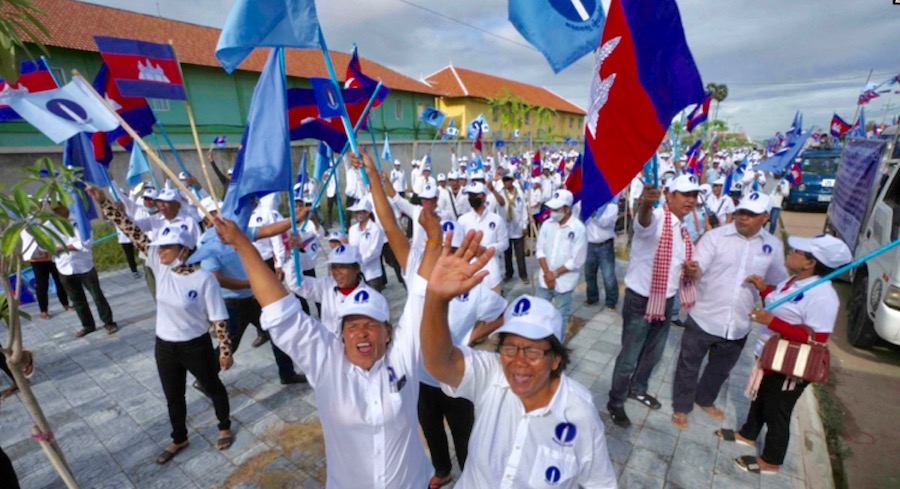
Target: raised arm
[
  {"x": 266, "y": 286},
  {"x": 452, "y": 275},
  {"x": 119, "y": 218},
  {"x": 395, "y": 236}
]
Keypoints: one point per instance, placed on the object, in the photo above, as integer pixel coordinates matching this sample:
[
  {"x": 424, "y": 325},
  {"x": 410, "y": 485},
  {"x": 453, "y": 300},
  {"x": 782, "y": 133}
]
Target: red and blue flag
[
  {"x": 355, "y": 78},
  {"x": 306, "y": 122},
  {"x": 536, "y": 164},
  {"x": 795, "y": 177},
  {"x": 699, "y": 114},
  {"x": 141, "y": 68},
  {"x": 574, "y": 182},
  {"x": 134, "y": 110},
  {"x": 35, "y": 76},
  {"x": 839, "y": 126},
  {"x": 645, "y": 76}
]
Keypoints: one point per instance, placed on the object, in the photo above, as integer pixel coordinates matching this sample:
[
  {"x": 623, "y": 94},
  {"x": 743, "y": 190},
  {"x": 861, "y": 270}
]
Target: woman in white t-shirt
[
  {"x": 774, "y": 395},
  {"x": 189, "y": 301}
]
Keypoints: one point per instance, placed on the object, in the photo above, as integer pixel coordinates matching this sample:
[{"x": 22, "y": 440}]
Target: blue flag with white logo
[
  {"x": 386, "y": 152},
  {"x": 432, "y": 117},
  {"x": 474, "y": 126},
  {"x": 563, "y": 30},
  {"x": 78, "y": 152},
  {"x": 326, "y": 93}
]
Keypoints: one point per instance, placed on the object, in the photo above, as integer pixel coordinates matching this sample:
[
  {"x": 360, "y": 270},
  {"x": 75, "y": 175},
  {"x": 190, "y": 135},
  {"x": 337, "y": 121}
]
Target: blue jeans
[
  {"x": 602, "y": 256},
  {"x": 643, "y": 343},
  {"x": 773, "y": 219},
  {"x": 563, "y": 303}
]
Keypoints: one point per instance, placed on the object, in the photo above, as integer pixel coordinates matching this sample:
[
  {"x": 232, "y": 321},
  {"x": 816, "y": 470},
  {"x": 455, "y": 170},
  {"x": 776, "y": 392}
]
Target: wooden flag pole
[
  {"x": 190, "y": 114},
  {"x": 137, "y": 138}
]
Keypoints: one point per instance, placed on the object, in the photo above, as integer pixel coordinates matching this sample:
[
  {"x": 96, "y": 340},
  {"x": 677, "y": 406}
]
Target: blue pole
[
  {"x": 375, "y": 146},
  {"x": 839, "y": 271},
  {"x": 337, "y": 193},
  {"x": 177, "y": 156}
]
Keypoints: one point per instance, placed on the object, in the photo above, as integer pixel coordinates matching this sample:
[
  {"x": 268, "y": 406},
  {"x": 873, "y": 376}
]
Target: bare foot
[
  {"x": 45, "y": 316},
  {"x": 713, "y": 412},
  {"x": 680, "y": 421}
]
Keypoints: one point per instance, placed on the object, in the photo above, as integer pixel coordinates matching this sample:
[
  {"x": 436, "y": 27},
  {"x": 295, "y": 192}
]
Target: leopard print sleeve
[
  {"x": 224, "y": 340},
  {"x": 121, "y": 221}
]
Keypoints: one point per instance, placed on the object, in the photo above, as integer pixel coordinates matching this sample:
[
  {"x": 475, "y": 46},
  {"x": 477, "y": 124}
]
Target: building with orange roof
[{"x": 537, "y": 113}]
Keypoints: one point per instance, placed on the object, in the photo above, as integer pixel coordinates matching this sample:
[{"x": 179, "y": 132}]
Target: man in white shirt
[
  {"x": 720, "y": 322},
  {"x": 398, "y": 178},
  {"x": 76, "y": 272},
  {"x": 496, "y": 233},
  {"x": 720, "y": 204},
  {"x": 659, "y": 267},
  {"x": 782, "y": 189},
  {"x": 561, "y": 250},
  {"x": 367, "y": 236},
  {"x": 601, "y": 255},
  {"x": 516, "y": 214},
  {"x": 452, "y": 201}
]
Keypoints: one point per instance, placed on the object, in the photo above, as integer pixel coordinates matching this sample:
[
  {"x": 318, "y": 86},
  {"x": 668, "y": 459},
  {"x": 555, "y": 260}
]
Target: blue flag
[
  {"x": 451, "y": 132},
  {"x": 323, "y": 161},
  {"x": 432, "y": 117},
  {"x": 263, "y": 164},
  {"x": 137, "y": 167},
  {"x": 79, "y": 153},
  {"x": 386, "y": 152},
  {"x": 82, "y": 210},
  {"x": 735, "y": 174},
  {"x": 302, "y": 171},
  {"x": 563, "y": 30},
  {"x": 209, "y": 246},
  {"x": 779, "y": 162},
  {"x": 326, "y": 93},
  {"x": 474, "y": 126},
  {"x": 271, "y": 23},
  {"x": 859, "y": 129},
  {"x": 475, "y": 165}
]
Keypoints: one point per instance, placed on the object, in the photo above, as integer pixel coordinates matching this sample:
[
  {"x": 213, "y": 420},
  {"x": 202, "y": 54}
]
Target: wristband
[{"x": 435, "y": 242}]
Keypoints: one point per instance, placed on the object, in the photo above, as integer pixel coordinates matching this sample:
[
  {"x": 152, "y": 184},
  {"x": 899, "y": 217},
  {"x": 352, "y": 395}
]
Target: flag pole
[
  {"x": 295, "y": 252},
  {"x": 190, "y": 114},
  {"x": 137, "y": 138},
  {"x": 375, "y": 145},
  {"x": 868, "y": 79},
  {"x": 337, "y": 193}
]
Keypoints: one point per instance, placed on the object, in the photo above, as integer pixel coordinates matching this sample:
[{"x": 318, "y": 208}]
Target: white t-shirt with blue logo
[
  {"x": 816, "y": 308},
  {"x": 562, "y": 445},
  {"x": 185, "y": 303}
]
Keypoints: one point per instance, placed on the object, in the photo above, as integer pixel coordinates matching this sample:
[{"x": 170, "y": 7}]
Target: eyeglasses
[{"x": 531, "y": 353}]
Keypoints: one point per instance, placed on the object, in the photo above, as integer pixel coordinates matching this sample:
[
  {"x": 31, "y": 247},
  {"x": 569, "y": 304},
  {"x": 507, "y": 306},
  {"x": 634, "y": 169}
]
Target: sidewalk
[{"x": 104, "y": 401}]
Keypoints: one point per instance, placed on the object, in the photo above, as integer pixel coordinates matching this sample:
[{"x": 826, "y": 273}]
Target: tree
[
  {"x": 542, "y": 118},
  {"x": 512, "y": 110},
  {"x": 719, "y": 93},
  {"x": 18, "y": 22},
  {"x": 20, "y": 212}
]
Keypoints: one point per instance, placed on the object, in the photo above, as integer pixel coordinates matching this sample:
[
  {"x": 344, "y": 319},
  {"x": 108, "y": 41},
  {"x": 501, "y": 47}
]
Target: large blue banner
[{"x": 853, "y": 187}]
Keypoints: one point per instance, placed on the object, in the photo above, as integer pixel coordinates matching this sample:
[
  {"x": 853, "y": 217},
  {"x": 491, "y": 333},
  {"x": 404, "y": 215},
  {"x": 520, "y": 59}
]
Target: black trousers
[
  {"x": 8, "y": 479},
  {"x": 387, "y": 255},
  {"x": 434, "y": 408},
  {"x": 516, "y": 245},
  {"x": 174, "y": 359},
  {"x": 305, "y": 305},
  {"x": 43, "y": 270},
  {"x": 128, "y": 249},
  {"x": 695, "y": 345},
  {"x": 75, "y": 285},
  {"x": 772, "y": 408}
]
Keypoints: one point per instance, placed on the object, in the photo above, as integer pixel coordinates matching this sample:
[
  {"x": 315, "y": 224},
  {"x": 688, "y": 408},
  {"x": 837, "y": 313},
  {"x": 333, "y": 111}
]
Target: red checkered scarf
[{"x": 659, "y": 281}]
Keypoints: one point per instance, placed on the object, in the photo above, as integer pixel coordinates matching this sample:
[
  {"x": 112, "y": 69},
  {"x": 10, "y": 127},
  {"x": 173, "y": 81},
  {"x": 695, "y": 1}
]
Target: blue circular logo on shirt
[
  {"x": 571, "y": 235},
  {"x": 314, "y": 247},
  {"x": 447, "y": 226},
  {"x": 565, "y": 433},
  {"x": 767, "y": 249},
  {"x": 522, "y": 307},
  {"x": 166, "y": 231},
  {"x": 798, "y": 298},
  {"x": 184, "y": 227},
  {"x": 361, "y": 297},
  {"x": 552, "y": 475},
  {"x": 259, "y": 219},
  {"x": 192, "y": 294},
  {"x": 492, "y": 225}
]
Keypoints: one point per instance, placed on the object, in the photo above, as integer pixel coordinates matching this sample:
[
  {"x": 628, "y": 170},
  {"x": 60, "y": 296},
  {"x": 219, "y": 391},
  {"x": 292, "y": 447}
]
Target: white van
[{"x": 874, "y": 308}]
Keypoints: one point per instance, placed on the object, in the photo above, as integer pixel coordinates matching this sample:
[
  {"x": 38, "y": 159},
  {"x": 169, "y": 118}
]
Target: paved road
[{"x": 868, "y": 384}]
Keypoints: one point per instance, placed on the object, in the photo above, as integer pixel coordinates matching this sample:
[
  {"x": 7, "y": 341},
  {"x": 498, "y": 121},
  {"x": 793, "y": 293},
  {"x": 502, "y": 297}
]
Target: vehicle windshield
[{"x": 821, "y": 166}]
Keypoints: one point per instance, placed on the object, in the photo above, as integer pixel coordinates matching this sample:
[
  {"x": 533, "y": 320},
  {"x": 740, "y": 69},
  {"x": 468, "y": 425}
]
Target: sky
[{"x": 776, "y": 56}]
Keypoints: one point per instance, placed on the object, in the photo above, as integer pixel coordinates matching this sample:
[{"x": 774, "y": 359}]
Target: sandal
[
  {"x": 224, "y": 442},
  {"x": 731, "y": 435},
  {"x": 680, "y": 421},
  {"x": 438, "y": 482},
  {"x": 167, "y": 454},
  {"x": 84, "y": 332},
  {"x": 749, "y": 463},
  {"x": 646, "y": 400},
  {"x": 111, "y": 328}
]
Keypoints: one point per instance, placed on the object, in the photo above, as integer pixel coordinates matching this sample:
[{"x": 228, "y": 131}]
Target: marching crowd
[{"x": 453, "y": 239}]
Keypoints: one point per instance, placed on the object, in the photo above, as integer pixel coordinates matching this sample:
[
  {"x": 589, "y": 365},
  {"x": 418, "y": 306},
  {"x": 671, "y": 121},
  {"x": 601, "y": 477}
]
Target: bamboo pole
[{"x": 153, "y": 157}]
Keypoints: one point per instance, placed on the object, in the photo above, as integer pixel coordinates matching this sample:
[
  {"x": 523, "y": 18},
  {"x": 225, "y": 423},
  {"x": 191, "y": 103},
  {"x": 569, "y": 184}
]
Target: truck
[
  {"x": 819, "y": 168},
  {"x": 873, "y": 311}
]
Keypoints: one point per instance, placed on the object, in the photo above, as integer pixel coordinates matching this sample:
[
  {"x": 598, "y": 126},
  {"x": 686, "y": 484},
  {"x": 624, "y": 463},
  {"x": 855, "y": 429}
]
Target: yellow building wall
[{"x": 464, "y": 109}]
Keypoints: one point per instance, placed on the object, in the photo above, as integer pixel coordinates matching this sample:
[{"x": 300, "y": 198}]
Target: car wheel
[{"x": 860, "y": 329}]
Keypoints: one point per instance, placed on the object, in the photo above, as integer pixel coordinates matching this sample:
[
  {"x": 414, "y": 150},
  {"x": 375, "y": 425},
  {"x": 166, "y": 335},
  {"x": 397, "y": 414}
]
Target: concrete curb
[{"x": 816, "y": 461}]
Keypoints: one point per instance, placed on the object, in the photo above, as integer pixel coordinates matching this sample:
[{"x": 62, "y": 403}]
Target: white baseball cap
[
  {"x": 705, "y": 189},
  {"x": 475, "y": 188},
  {"x": 172, "y": 235},
  {"x": 426, "y": 167},
  {"x": 719, "y": 181},
  {"x": 560, "y": 198},
  {"x": 168, "y": 195},
  {"x": 150, "y": 193},
  {"x": 209, "y": 204},
  {"x": 532, "y": 318},
  {"x": 230, "y": 171},
  {"x": 344, "y": 254},
  {"x": 685, "y": 183},
  {"x": 182, "y": 176},
  {"x": 361, "y": 205},
  {"x": 458, "y": 233},
  {"x": 476, "y": 175},
  {"x": 452, "y": 175},
  {"x": 826, "y": 249},
  {"x": 397, "y": 163},
  {"x": 365, "y": 302},
  {"x": 298, "y": 191},
  {"x": 336, "y": 236},
  {"x": 755, "y": 202},
  {"x": 441, "y": 177},
  {"x": 429, "y": 191}
]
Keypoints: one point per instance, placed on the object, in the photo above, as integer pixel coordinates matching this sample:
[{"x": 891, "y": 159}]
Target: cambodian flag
[
  {"x": 134, "y": 110},
  {"x": 839, "y": 127},
  {"x": 536, "y": 164},
  {"x": 795, "y": 177},
  {"x": 355, "y": 78},
  {"x": 574, "y": 182},
  {"x": 699, "y": 114},
  {"x": 305, "y": 120},
  {"x": 35, "y": 76},
  {"x": 645, "y": 76},
  {"x": 219, "y": 141},
  {"x": 693, "y": 158},
  {"x": 141, "y": 68}
]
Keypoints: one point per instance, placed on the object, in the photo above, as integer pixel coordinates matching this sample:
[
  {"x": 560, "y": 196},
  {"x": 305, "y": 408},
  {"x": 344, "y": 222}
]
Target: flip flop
[
  {"x": 166, "y": 455},
  {"x": 749, "y": 463},
  {"x": 680, "y": 421},
  {"x": 730, "y": 435},
  {"x": 438, "y": 482},
  {"x": 224, "y": 442}
]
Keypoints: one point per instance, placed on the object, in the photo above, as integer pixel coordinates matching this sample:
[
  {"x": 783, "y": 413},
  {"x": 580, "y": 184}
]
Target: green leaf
[{"x": 11, "y": 238}]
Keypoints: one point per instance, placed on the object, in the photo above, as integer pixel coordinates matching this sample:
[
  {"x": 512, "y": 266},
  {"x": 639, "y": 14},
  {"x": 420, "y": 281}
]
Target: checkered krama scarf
[{"x": 659, "y": 281}]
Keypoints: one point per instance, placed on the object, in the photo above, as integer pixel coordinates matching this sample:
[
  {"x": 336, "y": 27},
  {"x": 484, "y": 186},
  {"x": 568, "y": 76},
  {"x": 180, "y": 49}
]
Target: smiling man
[{"x": 535, "y": 426}]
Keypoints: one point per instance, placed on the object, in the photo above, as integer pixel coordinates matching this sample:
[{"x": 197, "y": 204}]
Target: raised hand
[
  {"x": 229, "y": 232},
  {"x": 98, "y": 195},
  {"x": 457, "y": 273}
]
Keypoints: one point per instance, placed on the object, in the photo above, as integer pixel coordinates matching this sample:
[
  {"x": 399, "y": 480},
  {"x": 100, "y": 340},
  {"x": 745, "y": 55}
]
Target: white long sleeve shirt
[
  {"x": 562, "y": 245},
  {"x": 601, "y": 226},
  {"x": 78, "y": 260},
  {"x": 398, "y": 180},
  {"x": 496, "y": 235},
  {"x": 324, "y": 290},
  {"x": 643, "y": 251},
  {"x": 369, "y": 417},
  {"x": 562, "y": 445},
  {"x": 370, "y": 243},
  {"x": 516, "y": 226},
  {"x": 724, "y": 297}
]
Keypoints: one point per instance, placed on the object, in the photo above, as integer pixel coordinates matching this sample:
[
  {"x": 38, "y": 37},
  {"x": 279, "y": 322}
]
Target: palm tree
[
  {"x": 719, "y": 93},
  {"x": 18, "y": 20}
]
